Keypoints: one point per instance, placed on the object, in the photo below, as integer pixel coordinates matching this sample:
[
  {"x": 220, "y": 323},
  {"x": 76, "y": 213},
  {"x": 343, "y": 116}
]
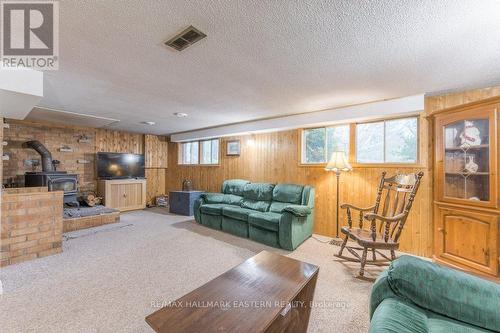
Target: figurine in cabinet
[
  {"x": 471, "y": 166},
  {"x": 470, "y": 136}
]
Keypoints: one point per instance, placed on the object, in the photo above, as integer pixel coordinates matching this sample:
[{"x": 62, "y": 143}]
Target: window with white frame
[
  {"x": 188, "y": 153},
  {"x": 199, "y": 152},
  {"x": 209, "y": 151},
  {"x": 387, "y": 141},
  {"x": 319, "y": 143}
]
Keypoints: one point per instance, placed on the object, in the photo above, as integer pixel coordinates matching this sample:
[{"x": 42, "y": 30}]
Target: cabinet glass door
[{"x": 467, "y": 160}]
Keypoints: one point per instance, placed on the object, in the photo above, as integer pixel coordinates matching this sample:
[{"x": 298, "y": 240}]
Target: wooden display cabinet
[{"x": 466, "y": 210}]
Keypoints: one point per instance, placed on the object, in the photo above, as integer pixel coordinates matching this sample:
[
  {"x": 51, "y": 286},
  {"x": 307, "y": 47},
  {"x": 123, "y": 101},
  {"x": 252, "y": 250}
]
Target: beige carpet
[{"x": 109, "y": 278}]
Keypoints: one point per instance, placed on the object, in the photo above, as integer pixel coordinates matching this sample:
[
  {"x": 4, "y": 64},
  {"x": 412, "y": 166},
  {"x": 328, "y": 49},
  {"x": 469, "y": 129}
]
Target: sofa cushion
[
  {"x": 234, "y": 186},
  {"x": 288, "y": 193},
  {"x": 475, "y": 301},
  {"x": 258, "y": 191},
  {"x": 212, "y": 209},
  {"x": 261, "y": 206},
  {"x": 232, "y": 199},
  {"x": 237, "y": 213},
  {"x": 213, "y": 198},
  {"x": 308, "y": 196},
  {"x": 268, "y": 221}
]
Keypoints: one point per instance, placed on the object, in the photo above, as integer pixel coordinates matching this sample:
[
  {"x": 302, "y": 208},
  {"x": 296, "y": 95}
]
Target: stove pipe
[{"x": 47, "y": 165}]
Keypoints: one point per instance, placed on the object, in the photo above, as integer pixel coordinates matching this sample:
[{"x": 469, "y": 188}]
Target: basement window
[
  {"x": 319, "y": 143},
  {"x": 205, "y": 152},
  {"x": 188, "y": 153},
  {"x": 209, "y": 151},
  {"x": 388, "y": 141}
]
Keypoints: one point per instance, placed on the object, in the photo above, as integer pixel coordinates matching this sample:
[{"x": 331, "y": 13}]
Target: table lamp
[{"x": 338, "y": 163}]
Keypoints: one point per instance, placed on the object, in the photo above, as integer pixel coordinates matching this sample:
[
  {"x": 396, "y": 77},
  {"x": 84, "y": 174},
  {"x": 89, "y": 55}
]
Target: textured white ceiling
[{"x": 264, "y": 58}]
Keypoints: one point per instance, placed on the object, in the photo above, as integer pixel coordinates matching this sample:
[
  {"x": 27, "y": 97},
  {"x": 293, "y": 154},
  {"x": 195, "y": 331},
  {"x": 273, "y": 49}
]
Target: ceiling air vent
[{"x": 186, "y": 38}]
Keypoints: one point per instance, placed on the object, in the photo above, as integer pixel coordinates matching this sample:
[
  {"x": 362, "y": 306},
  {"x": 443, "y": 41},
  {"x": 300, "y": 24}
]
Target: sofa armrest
[
  {"x": 381, "y": 290},
  {"x": 293, "y": 229},
  {"x": 196, "y": 209},
  {"x": 446, "y": 291},
  {"x": 297, "y": 210}
]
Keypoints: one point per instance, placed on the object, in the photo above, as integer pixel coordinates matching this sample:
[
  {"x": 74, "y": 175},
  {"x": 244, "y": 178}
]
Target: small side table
[{"x": 181, "y": 202}]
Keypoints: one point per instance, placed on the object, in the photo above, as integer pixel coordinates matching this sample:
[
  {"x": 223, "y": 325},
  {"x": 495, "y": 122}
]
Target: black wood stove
[
  {"x": 55, "y": 181},
  {"x": 50, "y": 177}
]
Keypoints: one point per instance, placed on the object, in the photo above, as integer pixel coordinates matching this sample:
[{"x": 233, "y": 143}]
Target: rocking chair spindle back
[{"x": 395, "y": 196}]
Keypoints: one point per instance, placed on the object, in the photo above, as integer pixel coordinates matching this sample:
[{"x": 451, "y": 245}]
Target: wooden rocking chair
[{"x": 397, "y": 201}]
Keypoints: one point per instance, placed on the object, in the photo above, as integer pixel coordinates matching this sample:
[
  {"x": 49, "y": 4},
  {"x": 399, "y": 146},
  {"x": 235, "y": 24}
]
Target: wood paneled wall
[
  {"x": 274, "y": 157},
  {"x": 155, "y": 184},
  {"x": 118, "y": 142},
  {"x": 156, "y": 151},
  {"x": 436, "y": 103},
  {"x": 270, "y": 157}
]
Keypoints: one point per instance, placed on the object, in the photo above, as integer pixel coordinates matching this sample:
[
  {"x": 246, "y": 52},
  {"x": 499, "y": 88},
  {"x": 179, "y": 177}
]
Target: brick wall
[
  {"x": 90, "y": 221},
  {"x": 31, "y": 226},
  {"x": 55, "y": 135},
  {"x": 54, "y": 138}
]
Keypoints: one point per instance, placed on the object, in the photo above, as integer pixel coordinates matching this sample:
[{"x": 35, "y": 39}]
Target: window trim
[
  {"x": 302, "y": 145},
  {"x": 179, "y": 154},
  {"x": 380, "y": 164},
  {"x": 352, "y": 158},
  {"x": 211, "y": 147}
]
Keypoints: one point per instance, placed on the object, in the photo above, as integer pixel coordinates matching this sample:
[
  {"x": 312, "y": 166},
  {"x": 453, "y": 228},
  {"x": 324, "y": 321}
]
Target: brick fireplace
[{"x": 32, "y": 224}]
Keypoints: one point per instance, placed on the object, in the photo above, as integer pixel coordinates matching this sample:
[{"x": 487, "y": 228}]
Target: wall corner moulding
[
  {"x": 361, "y": 112},
  {"x": 20, "y": 91}
]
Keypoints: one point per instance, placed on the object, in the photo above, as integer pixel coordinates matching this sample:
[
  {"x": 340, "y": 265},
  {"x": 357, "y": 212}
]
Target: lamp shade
[{"x": 338, "y": 162}]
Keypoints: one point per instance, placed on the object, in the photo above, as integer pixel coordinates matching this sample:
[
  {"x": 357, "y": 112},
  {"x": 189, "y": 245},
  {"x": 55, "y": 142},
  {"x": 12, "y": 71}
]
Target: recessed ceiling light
[
  {"x": 150, "y": 123},
  {"x": 180, "y": 114}
]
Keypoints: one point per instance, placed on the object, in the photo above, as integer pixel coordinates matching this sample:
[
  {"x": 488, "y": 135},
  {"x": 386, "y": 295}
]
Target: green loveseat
[
  {"x": 418, "y": 296},
  {"x": 277, "y": 215}
]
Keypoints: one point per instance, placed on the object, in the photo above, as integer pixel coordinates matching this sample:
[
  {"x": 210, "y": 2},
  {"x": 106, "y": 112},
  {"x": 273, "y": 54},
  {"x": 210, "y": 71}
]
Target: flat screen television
[{"x": 120, "y": 165}]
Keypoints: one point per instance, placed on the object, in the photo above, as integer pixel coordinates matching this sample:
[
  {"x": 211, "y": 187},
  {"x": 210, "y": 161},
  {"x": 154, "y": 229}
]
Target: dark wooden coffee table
[{"x": 266, "y": 293}]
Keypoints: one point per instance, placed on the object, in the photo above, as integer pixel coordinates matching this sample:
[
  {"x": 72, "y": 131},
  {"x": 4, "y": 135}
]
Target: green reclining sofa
[
  {"x": 276, "y": 215},
  {"x": 418, "y": 296}
]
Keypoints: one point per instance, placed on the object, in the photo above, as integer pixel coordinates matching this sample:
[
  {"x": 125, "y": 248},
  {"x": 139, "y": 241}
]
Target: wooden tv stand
[{"x": 123, "y": 194}]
